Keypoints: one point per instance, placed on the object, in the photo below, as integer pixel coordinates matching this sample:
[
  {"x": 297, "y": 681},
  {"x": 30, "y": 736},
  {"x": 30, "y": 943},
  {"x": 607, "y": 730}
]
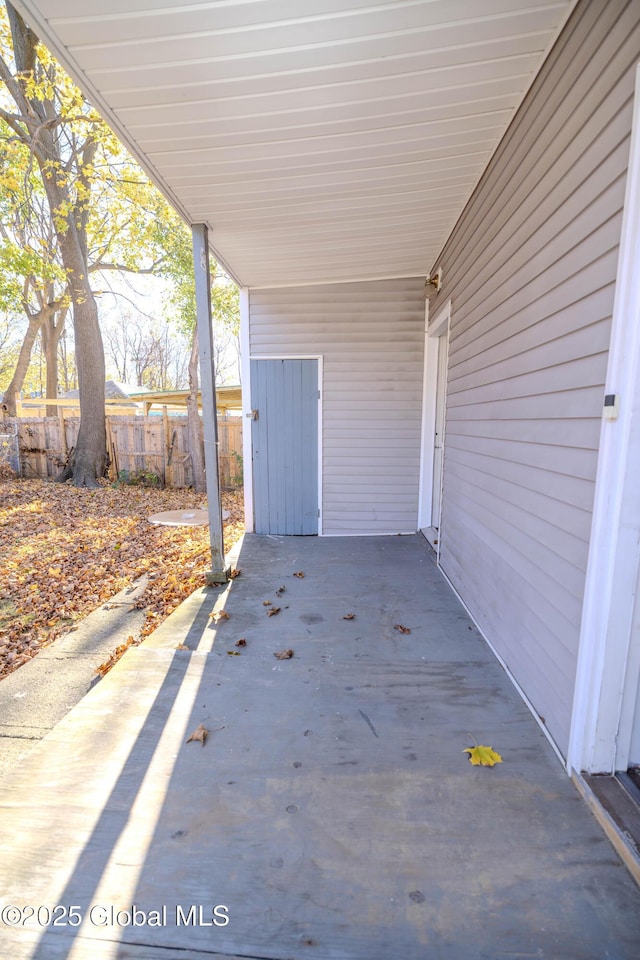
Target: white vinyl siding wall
[
  {"x": 530, "y": 269},
  {"x": 371, "y": 338}
]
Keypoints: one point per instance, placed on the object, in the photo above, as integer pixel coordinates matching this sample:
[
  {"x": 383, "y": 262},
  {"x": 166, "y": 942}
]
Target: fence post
[{"x": 167, "y": 446}]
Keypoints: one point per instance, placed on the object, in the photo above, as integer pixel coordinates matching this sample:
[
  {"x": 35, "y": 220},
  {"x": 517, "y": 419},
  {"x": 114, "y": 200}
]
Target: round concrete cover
[{"x": 181, "y": 518}]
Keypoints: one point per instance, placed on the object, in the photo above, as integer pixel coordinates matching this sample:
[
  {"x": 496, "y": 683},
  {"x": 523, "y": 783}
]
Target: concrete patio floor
[{"x": 331, "y": 810}]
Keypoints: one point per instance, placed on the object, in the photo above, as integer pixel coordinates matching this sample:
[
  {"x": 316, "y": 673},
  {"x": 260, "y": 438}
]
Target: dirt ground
[{"x": 64, "y": 551}]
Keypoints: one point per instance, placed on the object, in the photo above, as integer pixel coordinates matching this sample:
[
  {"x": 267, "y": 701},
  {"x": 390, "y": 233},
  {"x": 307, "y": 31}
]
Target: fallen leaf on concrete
[
  {"x": 181, "y": 646},
  {"x": 241, "y": 642},
  {"x": 266, "y": 603},
  {"x": 299, "y": 575},
  {"x": 104, "y": 668},
  {"x": 219, "y": 615},
  {"x": 200, "y": 733},
  {"x": 483, "y": 756},
  {"x": 233, "y": 653},
  {"x": 280, "y": 591},
  {"x": 271, "y": 612},
  {"x": 349, "y": 616},
  {"x": 401, "y": 629},
  {"x": 283, "y": 654},
  {"x": 235, "y": 573}
]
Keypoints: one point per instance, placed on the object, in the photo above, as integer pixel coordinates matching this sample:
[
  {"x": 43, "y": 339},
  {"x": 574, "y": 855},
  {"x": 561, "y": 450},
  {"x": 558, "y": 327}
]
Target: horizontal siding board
[
  {"x": 567, "y": 491},
  {"x": 579, "y": 463},
  {"x": 565, "y": 516},
  {"x": 530, "y": 269},
  {"x": 371, "y": 338},
  {"x": 541, "y": 603},
  {"x": 540, "y": 252},
  {"x": 562, "y": 225},
  {"x": 523, "y": 616},
  {"x": 573, "y": 104},
  {"x": 572, "y": 375},
  {"x": 550, "y": 406},
  {"x": 497, "y": 563},
  {"x": 528, "y": 328},
  {"x": 553, "y": 550},
  {"x": 580, "y": 434},
  {"x": 547, "y": 686},
  {"x": 540, "y": 301},
  {"x": 588, "y": 341}
]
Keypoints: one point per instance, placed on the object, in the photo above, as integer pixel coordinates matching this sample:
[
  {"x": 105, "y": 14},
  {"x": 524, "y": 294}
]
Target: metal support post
[{"x": 219, "y": 571}]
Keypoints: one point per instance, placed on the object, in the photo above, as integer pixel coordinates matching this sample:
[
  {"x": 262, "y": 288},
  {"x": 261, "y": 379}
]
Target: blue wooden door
[{"x": 284, "y": 441}]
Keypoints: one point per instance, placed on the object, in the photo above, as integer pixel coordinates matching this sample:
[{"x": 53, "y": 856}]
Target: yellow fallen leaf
[
  {"x": 271, "y": 612},
  {"x": 480, "y": 756},
  {"x": 219, "y": 615},
  {"x": 283, "y": 654}
]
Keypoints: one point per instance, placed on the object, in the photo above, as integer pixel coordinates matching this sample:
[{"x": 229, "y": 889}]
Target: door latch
[{"x": 253, "y": 415}]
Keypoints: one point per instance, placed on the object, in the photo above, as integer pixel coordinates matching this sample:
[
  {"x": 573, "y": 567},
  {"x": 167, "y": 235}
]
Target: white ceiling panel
[{"x": 320, "y": 140}]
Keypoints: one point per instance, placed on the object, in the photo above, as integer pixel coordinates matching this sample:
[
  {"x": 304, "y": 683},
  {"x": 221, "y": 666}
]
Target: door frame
[
  {"x": 435, "y": 330},
  {"x": 246, "y": 434},
  {"x": 608, "y": 669}
]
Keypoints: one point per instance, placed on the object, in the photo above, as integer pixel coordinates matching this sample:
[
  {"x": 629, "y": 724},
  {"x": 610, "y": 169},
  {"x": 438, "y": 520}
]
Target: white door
[
  {"x": 438, "y": 440},
  {"x": 433, "y": 424}
]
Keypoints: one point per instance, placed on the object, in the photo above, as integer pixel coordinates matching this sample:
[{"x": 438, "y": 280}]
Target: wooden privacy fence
[{"x": 140, "y": 448}]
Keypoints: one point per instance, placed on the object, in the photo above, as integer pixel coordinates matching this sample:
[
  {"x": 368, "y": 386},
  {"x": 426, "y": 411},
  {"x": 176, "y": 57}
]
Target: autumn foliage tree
[
  {"x": 65, "y": 137},
  {"x": 33, "y": 280},
  {"x": 96, "y": 212},
  {"x": 103, "y": 215}
]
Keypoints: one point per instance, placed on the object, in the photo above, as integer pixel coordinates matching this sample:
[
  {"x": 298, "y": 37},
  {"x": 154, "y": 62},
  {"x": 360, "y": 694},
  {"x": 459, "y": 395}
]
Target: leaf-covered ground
[{"x": 64, "y": 551}]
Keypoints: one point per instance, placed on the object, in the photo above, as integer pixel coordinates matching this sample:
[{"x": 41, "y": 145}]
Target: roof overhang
[{"x": 319, "y": 140}]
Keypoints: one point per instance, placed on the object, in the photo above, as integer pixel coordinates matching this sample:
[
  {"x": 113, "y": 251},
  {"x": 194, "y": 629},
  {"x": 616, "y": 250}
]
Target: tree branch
[
  {"x": 11, "y": 121},
  {"x": 122, "y": 268}
]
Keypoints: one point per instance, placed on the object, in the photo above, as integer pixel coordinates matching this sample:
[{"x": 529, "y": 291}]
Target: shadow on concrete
[{"x": 331, "y": 812}]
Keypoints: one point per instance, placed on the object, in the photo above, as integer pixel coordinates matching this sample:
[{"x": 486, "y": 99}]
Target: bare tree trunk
[
  {"x": 51, "y": 333},
  {"x": 20, "y": 372},
  {"x": 89, "y": 460},
  {"x": 194, "y": 421}
]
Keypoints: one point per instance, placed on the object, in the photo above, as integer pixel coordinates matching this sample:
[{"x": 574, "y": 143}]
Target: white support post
[
  {"x": 218, "y": 572},
  {"x": 245, "y": 377},
  {"x": 608, "y": 670}
]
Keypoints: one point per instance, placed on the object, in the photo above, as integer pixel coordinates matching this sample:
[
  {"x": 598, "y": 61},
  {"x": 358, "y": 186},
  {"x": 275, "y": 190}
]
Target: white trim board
[
  {"x": 608, "y": 668},
  {"x": 434, "y": 330},
  {"x": 334, "y": 283}
]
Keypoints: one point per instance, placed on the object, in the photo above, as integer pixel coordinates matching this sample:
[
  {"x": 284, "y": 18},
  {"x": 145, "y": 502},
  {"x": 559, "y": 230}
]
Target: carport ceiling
[{"x": 320, "y": 140}]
